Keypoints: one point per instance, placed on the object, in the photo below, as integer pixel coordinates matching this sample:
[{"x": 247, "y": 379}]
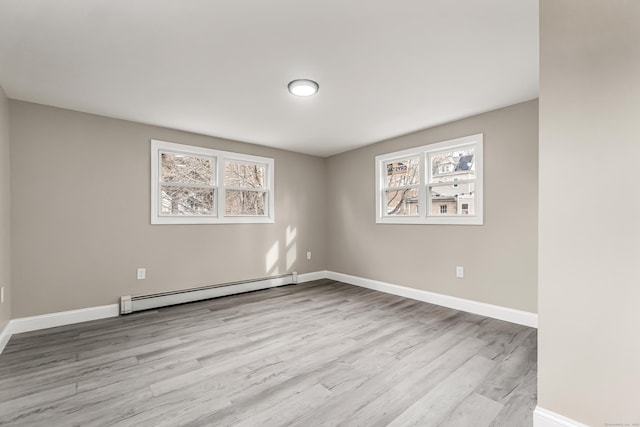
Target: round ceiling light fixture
[{"x": 303, "y": 87}]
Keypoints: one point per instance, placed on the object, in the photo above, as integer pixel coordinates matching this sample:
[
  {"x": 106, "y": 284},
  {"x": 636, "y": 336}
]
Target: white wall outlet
[
  {"x": 2, "y": 295},
  {"x": 308, "y": 254},
  {"x": 459, "y": 271},
  {"x": 142, "y": 273}
]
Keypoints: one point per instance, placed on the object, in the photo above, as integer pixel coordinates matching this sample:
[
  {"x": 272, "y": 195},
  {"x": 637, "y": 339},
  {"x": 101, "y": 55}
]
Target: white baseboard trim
[
  {"x": 44, "y": 321},
  {"x": 309, "y": 277},
  {"x": 51, "y": 320},
  {"x": 545, "y": 418},
  {"x": 494, "y": 311},
  {"x": 5, "y": 335}
]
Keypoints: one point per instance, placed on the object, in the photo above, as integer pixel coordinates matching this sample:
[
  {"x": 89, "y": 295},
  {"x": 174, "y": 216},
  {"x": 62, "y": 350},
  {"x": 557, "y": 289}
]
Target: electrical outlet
[
  {"x": 309, "y": 255},
  {"x": 142, "y": 273},
  {"x": 459, "y": 271}
]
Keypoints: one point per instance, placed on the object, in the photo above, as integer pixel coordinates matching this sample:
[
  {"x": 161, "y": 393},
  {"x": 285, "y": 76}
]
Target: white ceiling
[{"x": 221, "y": 68}]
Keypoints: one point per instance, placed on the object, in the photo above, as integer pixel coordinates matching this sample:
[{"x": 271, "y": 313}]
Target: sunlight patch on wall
[
  {"x": 291, "y": 234},
  {"x": 272, "y": 259},
  {"x": 292, "y": 254}
]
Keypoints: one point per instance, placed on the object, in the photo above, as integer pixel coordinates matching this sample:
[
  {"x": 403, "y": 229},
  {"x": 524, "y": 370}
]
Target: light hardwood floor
[{"x": 317, "y": 354}]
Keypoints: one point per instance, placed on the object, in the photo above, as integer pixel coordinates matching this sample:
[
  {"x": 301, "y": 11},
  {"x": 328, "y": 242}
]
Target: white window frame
[
  {"x": 424, "y": 214},
  {"x": 218, "y": 157}
]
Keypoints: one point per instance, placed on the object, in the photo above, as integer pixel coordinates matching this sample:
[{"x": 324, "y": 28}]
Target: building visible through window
[{"x": 433, "y": 184}]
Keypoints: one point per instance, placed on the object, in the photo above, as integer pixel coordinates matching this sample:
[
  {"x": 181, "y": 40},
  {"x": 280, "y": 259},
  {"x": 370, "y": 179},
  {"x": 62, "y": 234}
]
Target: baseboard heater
[{"x": 130, "y": 304}]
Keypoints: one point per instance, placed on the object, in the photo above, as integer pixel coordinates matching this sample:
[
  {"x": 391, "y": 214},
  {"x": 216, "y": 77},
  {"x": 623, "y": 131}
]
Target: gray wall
[
  {"x": 589, "y": 236},
  {"x": 80, "y": 205},
  {"x": 81, "y": 219},
  {"x": 5, "y": 211},
  {"x": 500, "y": 257}
]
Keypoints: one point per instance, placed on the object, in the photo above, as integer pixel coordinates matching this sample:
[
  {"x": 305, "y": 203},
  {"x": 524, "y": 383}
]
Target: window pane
[
  {"x": 238, "y": 202},
  {"x": 456, "y": 199},
  {"x": 186, "y": 201},
  {"x": 186, "y": 169},
  {"x": 402, "y": 202},
  {"x": 246, "y": 175},
  {"x": 402, "y": 172},
  {"x": 453, "y": 165}
]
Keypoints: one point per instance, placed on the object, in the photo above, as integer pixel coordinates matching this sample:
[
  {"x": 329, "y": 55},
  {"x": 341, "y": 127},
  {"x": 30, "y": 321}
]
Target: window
[
  {"x": 433, "y": 184},
  {"x": 402, "y": 183},
  {"x": 196, "y": 185},
  {"x": 245, "y": 192}
]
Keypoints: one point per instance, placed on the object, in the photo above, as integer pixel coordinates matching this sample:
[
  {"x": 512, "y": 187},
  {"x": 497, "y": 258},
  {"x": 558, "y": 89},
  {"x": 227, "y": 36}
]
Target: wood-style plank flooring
[{"x": 317, "y": 354}]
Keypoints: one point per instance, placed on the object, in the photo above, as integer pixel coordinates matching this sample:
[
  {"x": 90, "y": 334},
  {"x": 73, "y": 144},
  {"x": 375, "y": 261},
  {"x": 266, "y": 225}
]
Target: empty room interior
[{"x": 414, "y": 213}]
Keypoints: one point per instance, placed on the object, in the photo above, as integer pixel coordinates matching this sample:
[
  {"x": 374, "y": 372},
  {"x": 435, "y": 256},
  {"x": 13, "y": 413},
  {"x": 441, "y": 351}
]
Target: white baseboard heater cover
[{"x": 130, "y": 304}]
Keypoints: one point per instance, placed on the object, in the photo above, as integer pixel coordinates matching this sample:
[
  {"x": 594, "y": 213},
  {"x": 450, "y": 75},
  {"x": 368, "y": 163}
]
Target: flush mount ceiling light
[{"x": 303, "y": 87}]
